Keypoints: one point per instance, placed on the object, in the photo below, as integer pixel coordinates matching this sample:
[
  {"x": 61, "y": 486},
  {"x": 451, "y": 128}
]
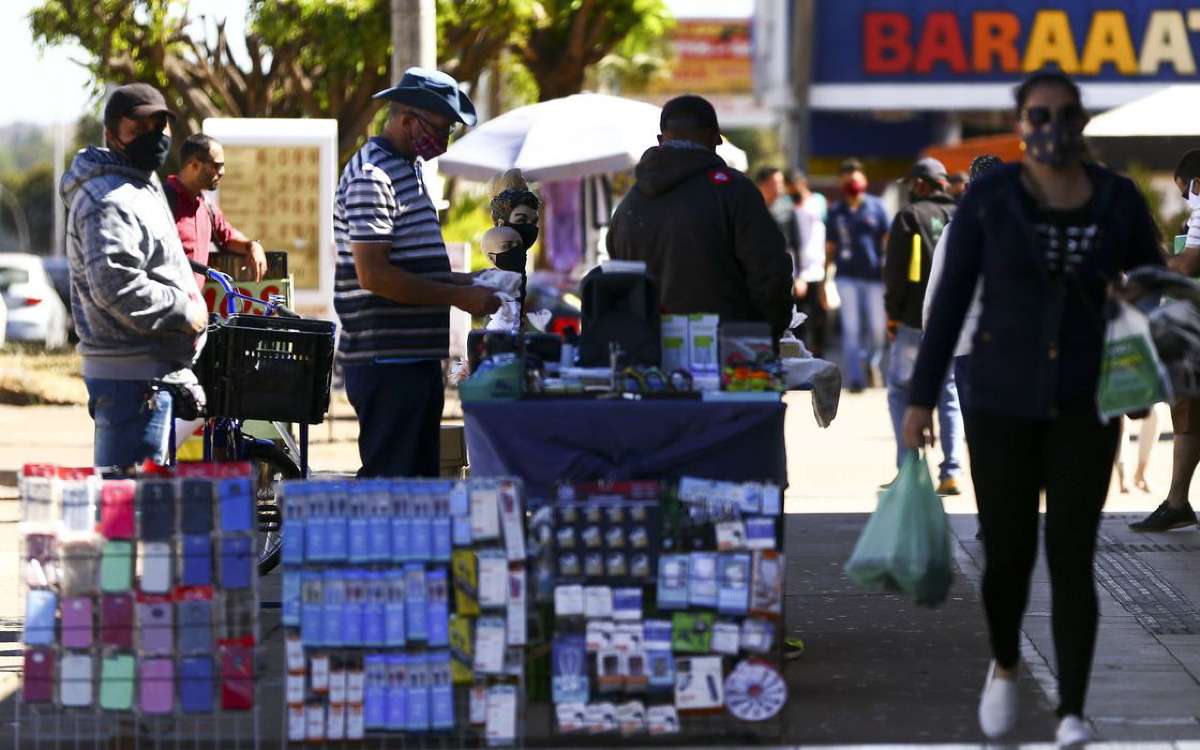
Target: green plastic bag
[
  {"x": 905, "y": 545},
  {"x": 1132, "y": 377}
]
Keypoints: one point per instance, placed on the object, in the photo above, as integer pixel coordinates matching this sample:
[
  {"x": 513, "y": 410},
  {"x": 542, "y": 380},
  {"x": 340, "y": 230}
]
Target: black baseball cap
[
  {"x": 850, "y": 165},
  {"x": 135, "y": 100},
  {"x": 928, "y": 169}
]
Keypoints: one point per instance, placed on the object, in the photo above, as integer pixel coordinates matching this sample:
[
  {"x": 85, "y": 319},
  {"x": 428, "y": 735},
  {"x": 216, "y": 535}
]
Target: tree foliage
[
  {"x": 324, "y": 58},
  {"x": 560, "y": 40}
]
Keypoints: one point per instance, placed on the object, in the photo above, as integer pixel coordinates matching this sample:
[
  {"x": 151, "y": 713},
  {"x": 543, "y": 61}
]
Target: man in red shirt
[{"x": 200, "y": 224}]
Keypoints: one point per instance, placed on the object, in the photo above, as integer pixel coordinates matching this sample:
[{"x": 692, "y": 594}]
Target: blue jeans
[
  {"x": 129, "y": 428},
  {"x": 901, "y": 362},
  {"x": 863, "y": 325}
]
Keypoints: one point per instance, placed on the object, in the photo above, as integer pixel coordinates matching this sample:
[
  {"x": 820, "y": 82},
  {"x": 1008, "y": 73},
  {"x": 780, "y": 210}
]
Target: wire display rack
[{"x": 141, "y": 611}]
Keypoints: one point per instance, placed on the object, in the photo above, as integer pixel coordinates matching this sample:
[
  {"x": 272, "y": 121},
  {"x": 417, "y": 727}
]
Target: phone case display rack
[
  {"x": 664, "y": 606},
  {"x": 405, "y": 612},
  {"x": 141, "y": 608}
]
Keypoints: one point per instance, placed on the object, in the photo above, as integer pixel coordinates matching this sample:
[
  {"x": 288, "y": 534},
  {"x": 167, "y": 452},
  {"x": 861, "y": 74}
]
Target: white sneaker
[
  {"x": 1072, "y": 732},
  {"x": 998, "y": 704}
]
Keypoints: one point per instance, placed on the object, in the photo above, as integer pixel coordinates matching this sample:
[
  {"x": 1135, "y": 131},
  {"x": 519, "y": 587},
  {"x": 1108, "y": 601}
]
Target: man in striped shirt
[{"x": 394, "y": 287}]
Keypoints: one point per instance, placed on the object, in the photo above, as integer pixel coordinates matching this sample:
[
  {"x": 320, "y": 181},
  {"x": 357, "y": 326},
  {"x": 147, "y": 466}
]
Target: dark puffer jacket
[{"x": 706, "y": 237}]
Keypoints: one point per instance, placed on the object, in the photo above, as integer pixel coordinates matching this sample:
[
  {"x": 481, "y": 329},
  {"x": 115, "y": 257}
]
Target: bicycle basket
[{"x": 275, "y": 369}]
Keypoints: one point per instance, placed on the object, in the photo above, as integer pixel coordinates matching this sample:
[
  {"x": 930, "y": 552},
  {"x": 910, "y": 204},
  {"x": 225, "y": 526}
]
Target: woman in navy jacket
[{"x": 1047, "y": 236}]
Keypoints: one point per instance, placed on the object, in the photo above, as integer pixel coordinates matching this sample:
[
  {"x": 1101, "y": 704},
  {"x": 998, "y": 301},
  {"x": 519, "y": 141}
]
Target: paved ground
[{"x": 877, "y": 669}]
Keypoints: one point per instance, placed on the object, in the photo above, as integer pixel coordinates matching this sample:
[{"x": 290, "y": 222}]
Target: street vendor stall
[{"x": 546, "y": 441}]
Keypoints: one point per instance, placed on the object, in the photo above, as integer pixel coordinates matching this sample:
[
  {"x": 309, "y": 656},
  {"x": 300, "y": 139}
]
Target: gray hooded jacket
[{"x": 130, "y": 280}]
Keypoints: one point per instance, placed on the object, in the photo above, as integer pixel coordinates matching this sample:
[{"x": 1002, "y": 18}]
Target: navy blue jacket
[{"x": 1037, "y": 350}]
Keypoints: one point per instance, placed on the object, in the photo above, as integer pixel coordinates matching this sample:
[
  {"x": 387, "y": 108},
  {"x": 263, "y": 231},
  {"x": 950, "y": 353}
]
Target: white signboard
[{"x": 280, "y": 176}]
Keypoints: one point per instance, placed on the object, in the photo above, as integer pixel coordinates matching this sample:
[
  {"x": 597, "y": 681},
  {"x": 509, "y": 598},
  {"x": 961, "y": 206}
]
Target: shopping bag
[
  {"x": 905, "y": 545},
  {"x": 1132, "y": 377}
]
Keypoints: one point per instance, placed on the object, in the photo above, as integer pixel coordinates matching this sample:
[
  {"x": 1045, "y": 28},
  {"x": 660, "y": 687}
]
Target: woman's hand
[{"x": 917, "y": 428}]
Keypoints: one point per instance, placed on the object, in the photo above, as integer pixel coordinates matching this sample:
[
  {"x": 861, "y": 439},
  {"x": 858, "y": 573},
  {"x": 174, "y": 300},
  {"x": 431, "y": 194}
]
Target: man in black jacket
[
  {"x": 702, "y": 228},
  {"x": 913, "y": 236}
]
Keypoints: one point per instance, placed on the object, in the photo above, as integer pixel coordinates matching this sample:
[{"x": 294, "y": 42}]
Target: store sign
[
  {"x": 1117, "y": 51},
  {"x": 711, "y": 56},
  {"x": 278, "y": 189}
]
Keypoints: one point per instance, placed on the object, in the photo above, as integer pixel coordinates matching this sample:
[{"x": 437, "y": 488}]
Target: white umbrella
[
  {"x": 1173, "y": 111},
  {"x": 576, "y": 136}
]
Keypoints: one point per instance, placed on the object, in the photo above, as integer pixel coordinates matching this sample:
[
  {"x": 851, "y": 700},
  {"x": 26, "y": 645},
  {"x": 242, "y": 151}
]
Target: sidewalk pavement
[{"x": 876, "y": 668}]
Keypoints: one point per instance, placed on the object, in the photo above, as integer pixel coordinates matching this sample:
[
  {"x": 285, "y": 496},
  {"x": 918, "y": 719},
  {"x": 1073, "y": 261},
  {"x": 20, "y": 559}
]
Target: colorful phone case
[
  {"x": 116, "y": 620},
  {"x": 156, "y": 568},
  {"x": 116, "y": 566},
  {"x": 75, "y": 680},
  {"x": 40, "y": 606},
  {"x": 116, "y": 682},
  {"x": 38, "y": 685},
  {"x": 197, "y": 517},
  {"x": 116, "y": 509},
  {"x": 237, "y": 677},
  {"x": 156, "y": 621},
  {"x": 79, "y": 568},
  {"x": 77, "y": 622},
  {"x": 196, "y": 684},
  {"x": 237, "y": 561},
  {"x": 195, "y": 627},
  {"x": 157, "y": 503},
  {"x": 197, "y": 560},
  {"x": 237, "y": 512},
  {"x": 157, "y": 686}
]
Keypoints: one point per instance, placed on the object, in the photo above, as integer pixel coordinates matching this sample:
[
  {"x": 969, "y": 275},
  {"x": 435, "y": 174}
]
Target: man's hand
[
  {"x": 477, "y": 300},
  {"x": 917, "y": 428},
  {"x": 258, "y": 259},
  {"x": 800, "y": 289},
  {"x": 197, "y": 315}
]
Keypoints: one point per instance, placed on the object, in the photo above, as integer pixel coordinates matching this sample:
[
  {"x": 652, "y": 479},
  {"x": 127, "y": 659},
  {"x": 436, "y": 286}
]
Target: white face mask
[{"x": 1193, "y": 201}]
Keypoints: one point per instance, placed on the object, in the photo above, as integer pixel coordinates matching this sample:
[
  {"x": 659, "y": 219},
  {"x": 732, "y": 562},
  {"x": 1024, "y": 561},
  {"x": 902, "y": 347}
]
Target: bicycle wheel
[{"x": 274, "y": 465}]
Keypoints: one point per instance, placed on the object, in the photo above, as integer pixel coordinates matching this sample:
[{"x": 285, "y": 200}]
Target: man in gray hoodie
[{"x": 137, "y": 309}]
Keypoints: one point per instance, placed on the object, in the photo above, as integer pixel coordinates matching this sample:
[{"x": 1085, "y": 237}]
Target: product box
[
  {"x": 745, "y": 341},
  {"x": 703, "y": 343},
  {"x": 674, "y": 343}
]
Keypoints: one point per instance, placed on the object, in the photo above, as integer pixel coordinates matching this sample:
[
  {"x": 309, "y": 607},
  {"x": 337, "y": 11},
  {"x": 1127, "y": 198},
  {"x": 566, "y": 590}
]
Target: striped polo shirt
[{"x": 381, "y": 198}]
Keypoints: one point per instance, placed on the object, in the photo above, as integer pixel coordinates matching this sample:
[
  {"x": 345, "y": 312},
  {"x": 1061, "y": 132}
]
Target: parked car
[
  {"x": 58, "y": 268},
  {"x": 35, "y": 311}
]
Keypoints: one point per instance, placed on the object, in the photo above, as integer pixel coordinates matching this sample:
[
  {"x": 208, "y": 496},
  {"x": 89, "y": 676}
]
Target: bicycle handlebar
[{"x": 232, "y": 294}]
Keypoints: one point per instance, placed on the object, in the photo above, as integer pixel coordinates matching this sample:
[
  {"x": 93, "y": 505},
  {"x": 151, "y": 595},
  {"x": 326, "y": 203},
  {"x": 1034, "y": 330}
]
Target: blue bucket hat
[{"x": 432, "y": 91}]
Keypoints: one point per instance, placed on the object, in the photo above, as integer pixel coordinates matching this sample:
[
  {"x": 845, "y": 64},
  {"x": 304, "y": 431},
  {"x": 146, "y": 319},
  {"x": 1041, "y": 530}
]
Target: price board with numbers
[{"x": 278, "y": 189}]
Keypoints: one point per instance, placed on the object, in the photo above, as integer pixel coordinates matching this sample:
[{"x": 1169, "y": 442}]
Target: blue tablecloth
[{"x": 548, "y": 441}]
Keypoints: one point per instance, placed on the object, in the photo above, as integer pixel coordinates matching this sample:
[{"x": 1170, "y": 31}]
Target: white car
[{"x": 35, "y": 311}]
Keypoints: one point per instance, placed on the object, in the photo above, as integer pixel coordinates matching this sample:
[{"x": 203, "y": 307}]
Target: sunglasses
[
  {"x": 1039, "y": 116},
  {"x": 447, "y": 130}
]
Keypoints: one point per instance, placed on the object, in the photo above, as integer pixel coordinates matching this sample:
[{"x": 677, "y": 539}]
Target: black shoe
[
  {"x": 856, "y": 388},
  {"x": 1165, "y": 518}
]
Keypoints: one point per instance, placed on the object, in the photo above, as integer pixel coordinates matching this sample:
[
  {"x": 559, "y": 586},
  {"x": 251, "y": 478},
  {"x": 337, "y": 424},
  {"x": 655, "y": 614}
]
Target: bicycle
[{"x": 288, "y": 355}]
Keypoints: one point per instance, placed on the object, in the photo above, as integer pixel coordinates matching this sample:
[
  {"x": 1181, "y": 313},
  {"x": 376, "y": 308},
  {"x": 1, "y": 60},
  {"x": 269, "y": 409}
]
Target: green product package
[
  {"x": 503, "y": 382},
  {"x": 905, "y": 545},
  {"x": 1132, "y": 377},
  {"x": 116, "y": 566},
  {"x": 116, "y": 683},
  {"x": 1180, "y": 244},
  {"x": 691, "y": 632}
]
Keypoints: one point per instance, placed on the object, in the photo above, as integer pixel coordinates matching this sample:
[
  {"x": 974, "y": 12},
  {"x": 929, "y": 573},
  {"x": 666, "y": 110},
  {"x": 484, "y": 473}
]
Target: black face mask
[
  {"x": 528, "y": 232},
  {"x": 511, "y": 260},
  {"x": 149, "y": 150},
  {"x": 1056, "y": 144}
]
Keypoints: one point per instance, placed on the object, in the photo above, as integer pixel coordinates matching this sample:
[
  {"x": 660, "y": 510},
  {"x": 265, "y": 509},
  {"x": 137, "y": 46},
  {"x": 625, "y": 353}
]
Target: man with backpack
[
  {"x": 201, "y": 224},
  {"x": 911, "y": 241}
]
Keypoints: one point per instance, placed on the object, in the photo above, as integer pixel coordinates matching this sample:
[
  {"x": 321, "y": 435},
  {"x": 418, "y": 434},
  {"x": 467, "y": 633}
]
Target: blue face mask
[{"x": 149, "y": 150}]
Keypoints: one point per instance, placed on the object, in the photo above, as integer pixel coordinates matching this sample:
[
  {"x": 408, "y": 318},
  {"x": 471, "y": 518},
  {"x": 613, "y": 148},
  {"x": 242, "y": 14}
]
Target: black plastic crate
[{"x": 275, "y": 369}]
